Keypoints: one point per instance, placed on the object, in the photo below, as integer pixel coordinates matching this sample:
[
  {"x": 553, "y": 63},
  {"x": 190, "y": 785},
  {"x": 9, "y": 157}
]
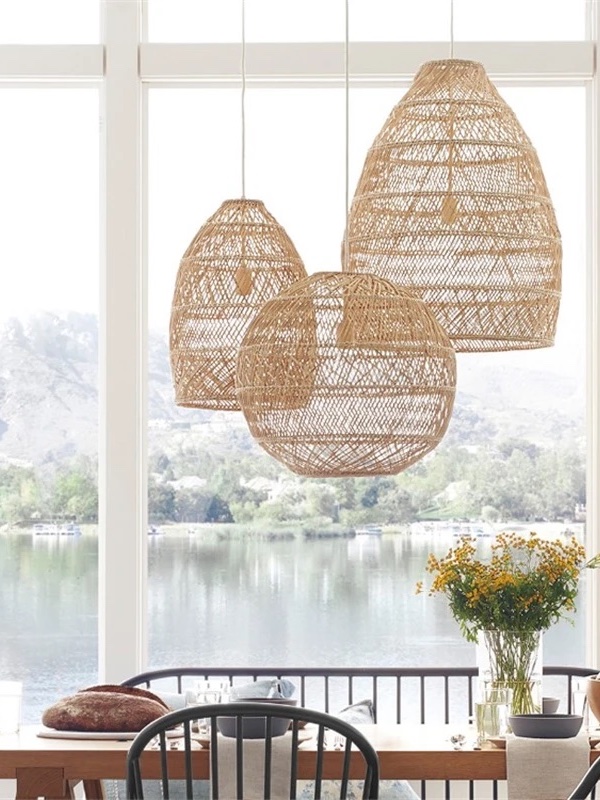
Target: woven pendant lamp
[
  {"x": 346, "y": 375},
  {"x": 452, "y": 204},
  {"x": 240, "y": 258}
]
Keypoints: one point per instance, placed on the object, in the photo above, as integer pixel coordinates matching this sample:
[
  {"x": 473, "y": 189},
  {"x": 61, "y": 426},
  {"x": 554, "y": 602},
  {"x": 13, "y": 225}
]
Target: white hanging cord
[
  {"x": 451, "y": 28},
  {"x": 243, "y": 68},
  {"x": 347, "y": 133}
]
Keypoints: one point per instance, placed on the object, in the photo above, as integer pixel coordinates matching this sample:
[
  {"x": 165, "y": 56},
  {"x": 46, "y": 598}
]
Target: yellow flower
[{"x": 528, "y": 583}]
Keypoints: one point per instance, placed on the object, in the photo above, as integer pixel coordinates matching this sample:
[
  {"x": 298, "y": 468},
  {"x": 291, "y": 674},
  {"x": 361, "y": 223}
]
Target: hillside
[{"x": 49, "y": 397}]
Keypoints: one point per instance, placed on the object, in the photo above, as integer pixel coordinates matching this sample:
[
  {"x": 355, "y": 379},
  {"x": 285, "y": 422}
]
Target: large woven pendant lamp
[
  {"x": 452, "y": 204},
  {"x": 346, "y": 375},
  {"x": 240, "y": 258}
]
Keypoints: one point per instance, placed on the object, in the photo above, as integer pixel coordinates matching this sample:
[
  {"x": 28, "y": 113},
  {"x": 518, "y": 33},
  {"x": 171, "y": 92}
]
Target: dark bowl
[
  {"x": 546, "y": 726},
  {"x": 256, "y": 727}
]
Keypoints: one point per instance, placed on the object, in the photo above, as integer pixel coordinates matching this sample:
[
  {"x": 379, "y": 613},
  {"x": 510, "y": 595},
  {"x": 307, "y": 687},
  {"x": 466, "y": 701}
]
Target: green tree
[
  {"x": 21, "y": 495},
  {"x": 161, "y": 501},
  {"x": 75, "y": 492},
  {"x": 191, "y": 505},
  {"x": 218, "y": 510}
]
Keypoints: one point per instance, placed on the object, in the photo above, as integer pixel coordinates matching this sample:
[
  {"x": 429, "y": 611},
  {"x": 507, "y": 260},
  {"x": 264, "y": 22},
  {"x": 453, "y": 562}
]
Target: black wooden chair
[{"x": 242, "y": 715}]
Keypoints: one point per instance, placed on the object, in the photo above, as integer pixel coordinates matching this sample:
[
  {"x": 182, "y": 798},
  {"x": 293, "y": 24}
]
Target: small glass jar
[{"x": 491, "y": 714}]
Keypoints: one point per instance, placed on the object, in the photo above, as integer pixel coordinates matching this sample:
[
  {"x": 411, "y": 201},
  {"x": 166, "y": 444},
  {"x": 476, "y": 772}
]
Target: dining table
[{"x": 51, "y": 767}]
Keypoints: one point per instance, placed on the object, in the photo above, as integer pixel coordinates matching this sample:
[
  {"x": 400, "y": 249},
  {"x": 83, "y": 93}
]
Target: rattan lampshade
[
  {"x": 240, "y": 258},
  {"x": 346, "y": 375},
  {"x": 452, "y": 204}
]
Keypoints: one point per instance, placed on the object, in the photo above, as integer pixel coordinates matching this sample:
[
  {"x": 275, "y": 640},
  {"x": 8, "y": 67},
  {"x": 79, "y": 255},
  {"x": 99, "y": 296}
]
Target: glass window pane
[
  {"x": 55, "y": 22},
  {"x": 370, "y": 20},
  {"x": 520, "y": 20},
  {"x": 49, "y": 249},
  {"x": 260, "y": 566}
]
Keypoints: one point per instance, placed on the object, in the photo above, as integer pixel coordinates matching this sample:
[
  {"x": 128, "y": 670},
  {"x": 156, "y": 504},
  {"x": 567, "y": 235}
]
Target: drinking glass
[
  {"x": 208, "y": 692},
  {"x": 213, "y": 691},
  {"x": 579, "y": 700},
  {"x": 491, "y": 714}
]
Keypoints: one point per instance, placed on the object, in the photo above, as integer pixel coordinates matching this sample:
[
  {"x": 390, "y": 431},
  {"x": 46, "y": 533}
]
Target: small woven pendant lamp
[
  {"x": 452, "y": 204},
  {"x": 346, "y": 375},
  {"x": 239, "y": 259}
]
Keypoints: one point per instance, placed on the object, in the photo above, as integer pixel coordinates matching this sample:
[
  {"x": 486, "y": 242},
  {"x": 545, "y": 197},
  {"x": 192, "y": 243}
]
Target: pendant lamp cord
[
  {"x": 347, "y": 131},
  {"x": 451, "y": 28},
  {"x": 243, "y": 70}
]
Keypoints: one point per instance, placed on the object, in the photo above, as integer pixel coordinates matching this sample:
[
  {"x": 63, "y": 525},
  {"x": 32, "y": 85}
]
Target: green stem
[{"x": 512, "y": 662}]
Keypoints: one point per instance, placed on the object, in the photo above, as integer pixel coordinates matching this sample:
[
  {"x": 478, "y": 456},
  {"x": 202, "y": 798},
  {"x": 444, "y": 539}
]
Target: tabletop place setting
[{"x": 89, "y": 736}]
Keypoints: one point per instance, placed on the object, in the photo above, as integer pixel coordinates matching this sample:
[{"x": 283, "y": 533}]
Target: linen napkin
[
  {"x": 545, "y": 769},
  {"x": 254, "y": 767}
]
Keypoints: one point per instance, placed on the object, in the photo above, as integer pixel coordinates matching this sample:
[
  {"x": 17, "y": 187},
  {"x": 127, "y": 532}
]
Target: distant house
[{"x": 188, "y": 482}]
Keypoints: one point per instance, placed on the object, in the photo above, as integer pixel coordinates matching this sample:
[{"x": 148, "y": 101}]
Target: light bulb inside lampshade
[
  {"x": 452, "y": 205},
  {"x": 240, "y": 258},
  {"x": 346, "y": 375}
]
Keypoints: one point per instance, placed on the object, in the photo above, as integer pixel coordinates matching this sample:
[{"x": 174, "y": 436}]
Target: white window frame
[{"x": 124, "y": 66}]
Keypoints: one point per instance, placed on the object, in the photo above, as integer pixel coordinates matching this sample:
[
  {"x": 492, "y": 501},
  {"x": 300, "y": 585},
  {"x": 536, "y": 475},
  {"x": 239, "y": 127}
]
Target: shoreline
[{"x": 317, "y": 529}]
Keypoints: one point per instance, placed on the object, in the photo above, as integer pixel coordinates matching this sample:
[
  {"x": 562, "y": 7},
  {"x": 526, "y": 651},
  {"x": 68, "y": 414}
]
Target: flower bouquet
[{"x": 526, "y": 586}]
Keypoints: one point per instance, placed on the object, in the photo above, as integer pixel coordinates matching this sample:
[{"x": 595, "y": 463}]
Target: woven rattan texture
[
  {"x": 453, "y": 205},
  {"x": 344, "y": 375},
  {"x": 240, "y": 258}
]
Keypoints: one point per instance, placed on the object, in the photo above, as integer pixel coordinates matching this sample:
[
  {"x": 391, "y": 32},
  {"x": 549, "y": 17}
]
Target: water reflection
[
  {"x": 48, "y": 596},
  {"x": 335, "y": 602}
]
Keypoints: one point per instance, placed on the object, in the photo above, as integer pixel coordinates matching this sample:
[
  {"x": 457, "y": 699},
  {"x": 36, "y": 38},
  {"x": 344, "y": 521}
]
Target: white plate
[{"x": 50, "y": 733}]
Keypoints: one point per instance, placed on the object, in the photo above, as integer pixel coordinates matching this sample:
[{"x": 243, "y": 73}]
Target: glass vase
[{"x": 512, "y": 660}]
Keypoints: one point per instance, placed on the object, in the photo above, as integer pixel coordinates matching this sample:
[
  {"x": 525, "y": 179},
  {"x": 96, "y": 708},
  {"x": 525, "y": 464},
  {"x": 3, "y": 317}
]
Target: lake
[{"x": 237, "y": 602}]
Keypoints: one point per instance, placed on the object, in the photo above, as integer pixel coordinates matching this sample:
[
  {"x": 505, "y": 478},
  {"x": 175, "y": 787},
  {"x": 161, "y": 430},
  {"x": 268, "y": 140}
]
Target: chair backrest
[{"x": 326, "y": 733}]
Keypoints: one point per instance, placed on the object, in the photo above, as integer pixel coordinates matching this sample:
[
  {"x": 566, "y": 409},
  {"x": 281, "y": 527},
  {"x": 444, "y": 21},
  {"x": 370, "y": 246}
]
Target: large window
[
  {"x": 49, "y": 396},
  {"x": 169, "y": 133},
  {"x": 516, "y": 443}
]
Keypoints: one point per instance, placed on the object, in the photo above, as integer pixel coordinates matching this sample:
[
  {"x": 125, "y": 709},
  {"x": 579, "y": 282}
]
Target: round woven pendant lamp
[
  {"x": 240, "y": 258},
  {"x": 452, "y": 204},
  {"x": 346, "y": 375}
]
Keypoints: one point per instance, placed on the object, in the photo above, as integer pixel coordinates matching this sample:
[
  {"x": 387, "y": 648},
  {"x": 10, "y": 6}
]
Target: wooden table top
[{"x": 417, "y": 752}]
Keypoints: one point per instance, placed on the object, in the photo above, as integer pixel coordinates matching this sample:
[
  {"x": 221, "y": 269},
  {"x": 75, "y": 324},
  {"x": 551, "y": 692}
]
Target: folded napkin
[
  {"x": 176, "y": 700},
  {"x": 545, "y": 769},
  {"x": 254, "y": 768}
]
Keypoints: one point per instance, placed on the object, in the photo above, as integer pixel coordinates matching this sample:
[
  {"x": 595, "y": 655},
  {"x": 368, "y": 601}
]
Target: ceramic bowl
[
  {"x": 592, "y": 693},
  {"x": 546, "y": 726},
  {"x": 550, "y": 705},
  {"x": 255, "y": 727}
]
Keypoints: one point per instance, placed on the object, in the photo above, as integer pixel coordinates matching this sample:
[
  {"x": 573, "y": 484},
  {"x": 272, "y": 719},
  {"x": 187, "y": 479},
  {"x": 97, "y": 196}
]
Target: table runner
[
  {"x": 545, "y": 769},
  {"x": 254, "y": 766}
]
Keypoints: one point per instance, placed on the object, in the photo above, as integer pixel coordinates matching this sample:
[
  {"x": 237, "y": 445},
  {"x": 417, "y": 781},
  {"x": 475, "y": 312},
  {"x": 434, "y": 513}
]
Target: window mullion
[
  {"x": 122, "y": 484},
  {"x": 593, "y": 349},
  {"x": 373, "y": 62}
]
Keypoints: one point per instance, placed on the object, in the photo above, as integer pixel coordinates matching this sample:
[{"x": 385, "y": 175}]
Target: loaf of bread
[
  {"x": 105, "y": 708},
  {"x": 135, "y": 691}
]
